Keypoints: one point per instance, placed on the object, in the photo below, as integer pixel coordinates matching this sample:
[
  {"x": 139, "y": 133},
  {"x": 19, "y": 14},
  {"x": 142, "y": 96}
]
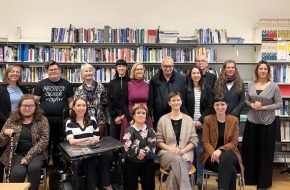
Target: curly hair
[
  {"x": 16, "y": 116},
  {"x": 73, "y": 114},
  {"x": 220, "y": 83}
]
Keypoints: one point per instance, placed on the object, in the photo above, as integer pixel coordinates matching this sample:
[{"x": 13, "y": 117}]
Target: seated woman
[
  {"x": 176, "y": 138},
  {"x": 31, "y": 133},
  {"x": 220, "y": 140},
  {"x": 140, "y": 145},
  {"x": 82, "y": 129}
]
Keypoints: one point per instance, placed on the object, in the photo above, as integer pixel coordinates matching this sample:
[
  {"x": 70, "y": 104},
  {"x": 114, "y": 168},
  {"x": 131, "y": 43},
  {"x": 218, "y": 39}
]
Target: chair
[
  {"x": 43, "y": 178},
  {"x": 207, "y": 173},
  {"x": 163, "y": 172}
]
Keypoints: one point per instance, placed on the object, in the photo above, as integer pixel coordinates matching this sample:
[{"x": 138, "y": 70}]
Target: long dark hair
[
  {"x": 73, "y": 114},
  {"x": 190, "y": 85},
  {"x": 16, "y": 116}
]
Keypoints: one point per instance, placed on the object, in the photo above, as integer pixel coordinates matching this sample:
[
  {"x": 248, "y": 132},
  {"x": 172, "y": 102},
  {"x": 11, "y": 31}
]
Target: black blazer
[
  {"x": 206, "y": 100},
  {"x": 209, "y": 79},
  {"x": 5, "y": 108}
]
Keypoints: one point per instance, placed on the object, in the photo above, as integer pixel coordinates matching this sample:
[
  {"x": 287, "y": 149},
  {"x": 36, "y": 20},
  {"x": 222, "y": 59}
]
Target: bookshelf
[{"x": 70, "y": 56}]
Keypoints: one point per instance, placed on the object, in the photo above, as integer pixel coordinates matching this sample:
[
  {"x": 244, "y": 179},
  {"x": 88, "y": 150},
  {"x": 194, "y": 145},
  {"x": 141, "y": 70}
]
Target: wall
[{"x": 37, "y": 17}]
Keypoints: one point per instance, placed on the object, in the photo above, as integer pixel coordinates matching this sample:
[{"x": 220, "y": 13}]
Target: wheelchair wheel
[{"x": 65, "y": 185}]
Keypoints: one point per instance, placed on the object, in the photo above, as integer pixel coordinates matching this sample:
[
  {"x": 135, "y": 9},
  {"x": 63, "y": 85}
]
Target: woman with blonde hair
[
  {"x": 11, "y": 91},
  {"x": 138, "y": 93},
  {"x": 95, "y": 94}
]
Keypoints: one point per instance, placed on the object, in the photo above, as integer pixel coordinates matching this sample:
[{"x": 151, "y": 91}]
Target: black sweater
[{"x": 118, "y": 97}]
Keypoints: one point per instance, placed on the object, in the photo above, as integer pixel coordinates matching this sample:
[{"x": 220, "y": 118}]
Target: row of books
[
  {"x": 128, "y": 35},
  {"x": 68, "y": 54},
  {"x": 276, "y": 51},
  {"x": 275, "y": 28},
  {"x": 103, "y": 35},
  {"x": 281, "y": 73},
  {"x": 179, "y": 55},
  {"x": 208, "y": 35},
  {"x": 73, "y": 75}
]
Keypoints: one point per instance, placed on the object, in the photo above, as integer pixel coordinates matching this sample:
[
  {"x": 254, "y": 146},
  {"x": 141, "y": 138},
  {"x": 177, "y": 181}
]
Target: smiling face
[
  {"x": 220, "y": 107},
  {"x": 139, "y": 72},
  {"x": 88, "y": 74},
  {"x": 140, "y": 116},
  {"x": 121, "y": 69},
  {"x": 14, "y": 74},
  {"x": 195, "y": 75},
  {"x": 53, "y": 72},
  {"x": 167, "y": 68},
  {"x": 263, "y": 72},
  {"x": 175, "y": 102},
  {"x": 230, "y": 69},
  {"x": 27, "y": 108},
  {"x": 80, "y": 107}
]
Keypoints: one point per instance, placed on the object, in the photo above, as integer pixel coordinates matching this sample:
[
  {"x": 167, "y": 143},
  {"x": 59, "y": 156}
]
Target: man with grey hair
[
  {"x": 208, "y": 78},
  {"x": 161, "y": 84}
]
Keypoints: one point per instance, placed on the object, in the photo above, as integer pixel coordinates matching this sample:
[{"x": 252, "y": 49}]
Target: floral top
[
  {"x": 98, "y": 100},
  {"x": 136, "y": 139}
]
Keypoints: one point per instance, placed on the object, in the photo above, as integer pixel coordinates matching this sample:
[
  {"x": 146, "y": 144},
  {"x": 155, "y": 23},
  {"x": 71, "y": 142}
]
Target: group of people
[{"x": 188, "y": 120}]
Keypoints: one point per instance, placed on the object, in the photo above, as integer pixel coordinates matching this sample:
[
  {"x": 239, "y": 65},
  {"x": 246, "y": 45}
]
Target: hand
[
  {"x": 23, "y": 161},
  {"x": 118, "y": 120},
  {"x": 8, "y": 132},
  {"x": 215, "y": 156},
  {"x": 141, "y": 154},
  {"x": 257, "y": 105},
  {"x": 94, "y": 140},
  {"x": 176, "y": 151},
  {"x": 197, "y": 124}
]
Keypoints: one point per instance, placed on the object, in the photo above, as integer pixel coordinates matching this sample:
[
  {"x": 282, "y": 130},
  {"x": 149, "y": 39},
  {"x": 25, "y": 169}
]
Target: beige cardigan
[{"x": 165, "y": 134}]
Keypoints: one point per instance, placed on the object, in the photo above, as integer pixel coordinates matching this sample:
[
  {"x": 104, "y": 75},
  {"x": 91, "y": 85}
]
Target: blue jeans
[{"x": 198, "y": 151}]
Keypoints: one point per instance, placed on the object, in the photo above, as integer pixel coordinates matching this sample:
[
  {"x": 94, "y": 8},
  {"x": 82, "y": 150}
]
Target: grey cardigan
[
  {"x": 165, "y": 134},
  {"x": 270, "y": 97}
]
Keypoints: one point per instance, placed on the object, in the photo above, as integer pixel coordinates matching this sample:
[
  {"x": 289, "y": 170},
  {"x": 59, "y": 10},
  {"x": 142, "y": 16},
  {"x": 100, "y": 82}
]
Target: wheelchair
[{"x": 72, "y": 175}]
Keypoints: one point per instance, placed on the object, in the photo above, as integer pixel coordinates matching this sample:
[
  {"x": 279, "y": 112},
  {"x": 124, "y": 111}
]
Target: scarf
[
  {"x": 229, "y": 79},
  {"x": 90, "y": 92}
]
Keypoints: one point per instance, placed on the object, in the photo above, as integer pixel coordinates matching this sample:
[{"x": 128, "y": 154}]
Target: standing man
[
  {"x": 54, "y": 94},
  {"x": 161, "y": 84},
  {"x": 208, "y": 78}
]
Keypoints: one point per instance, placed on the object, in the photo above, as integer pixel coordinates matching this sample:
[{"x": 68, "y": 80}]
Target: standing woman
[
  {"x": 138, "y": 93},
  {"x": 263, "y": 98},
  {"x": 230, "y": 85},
  {"x": 118, "y": 99},
  {"x": 11, "y": 91},
  {"x": 198, "y": 104},
  {"x": 176, "y": 138},
  {"x": 31, "y": 133},
  {"x": 95, "y": 94},
  {"x": 220, "y": 145},
  {"x": 139, "y": 144},
  {"x": 83, "y": 129}
]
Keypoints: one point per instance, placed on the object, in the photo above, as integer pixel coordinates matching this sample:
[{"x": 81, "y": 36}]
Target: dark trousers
[
  {"x": 56, "y": 136},
  {"x": 226, "y": 169},
  {"x": 33, "y": 169},
  {"x": 115, "y": 130},
  {"x": 98, "y": 170},
  {"x": 1, "y": 172},
  {"x": 258, "y": 153},
  {"x": 144, "y": 170}
]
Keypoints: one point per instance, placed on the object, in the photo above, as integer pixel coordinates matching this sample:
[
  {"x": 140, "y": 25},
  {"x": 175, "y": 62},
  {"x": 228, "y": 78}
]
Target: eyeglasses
[
  {"x": 139, "y": 69},
  {"x": 168, "y": 66},
  {"x": 52, "y": 70},
  {"x": 28, "y": 106}
]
